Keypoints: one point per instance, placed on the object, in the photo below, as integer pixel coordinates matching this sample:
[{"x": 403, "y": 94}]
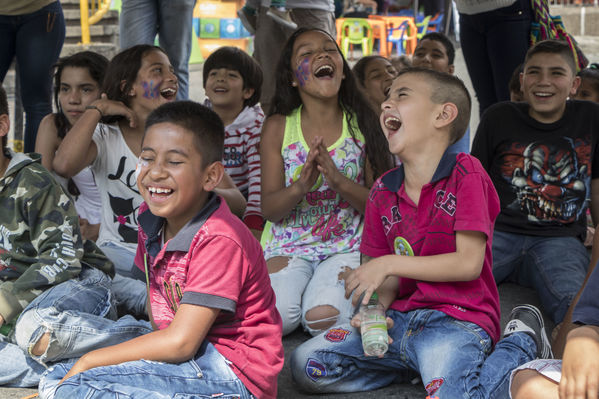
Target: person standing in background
[
  {"x": 494, "y": 35},
  {"x": 142, "y": 20},
  {"x": 33, "y": 31}
]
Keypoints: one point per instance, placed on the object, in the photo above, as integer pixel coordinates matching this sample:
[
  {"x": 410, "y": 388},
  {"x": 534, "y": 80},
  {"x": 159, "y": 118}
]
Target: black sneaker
[{"x": 528, "y": 319}]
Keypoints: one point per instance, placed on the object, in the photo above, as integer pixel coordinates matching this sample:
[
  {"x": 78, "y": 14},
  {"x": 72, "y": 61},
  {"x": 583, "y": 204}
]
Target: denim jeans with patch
[
  {"x": 555, "y": 267},
  {"x": 303, "y": 285},
  {"x": 80, "y": 316},
  {"x": 208, "y": 375},
  {"x": 455, "y": 359}
]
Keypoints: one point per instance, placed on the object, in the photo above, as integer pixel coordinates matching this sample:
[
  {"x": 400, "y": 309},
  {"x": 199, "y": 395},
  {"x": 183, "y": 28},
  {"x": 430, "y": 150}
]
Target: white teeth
[
  {"x": 324, "y": 70},
  {"x": 543, "y": 94},
  {"x": 159, "y": 190},
  {"x": 392, "y": 123},
  {"x": 168, "y": 92}
]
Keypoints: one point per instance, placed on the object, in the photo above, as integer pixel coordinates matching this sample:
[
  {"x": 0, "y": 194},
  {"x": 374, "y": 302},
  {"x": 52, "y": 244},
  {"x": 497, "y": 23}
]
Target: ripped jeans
[
  {"x": 305, "y": 284},
  {"x": 80, "y": 316}
]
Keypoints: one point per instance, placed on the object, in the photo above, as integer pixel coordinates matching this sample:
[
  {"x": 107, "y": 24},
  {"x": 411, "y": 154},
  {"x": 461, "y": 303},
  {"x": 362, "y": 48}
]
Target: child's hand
[
  {"x": 77, "y": 368},
  {"x": 1, "y": 320},
  {"x": 326, "y": 166},
  {"x": 580, "y": 367},
  {"x": 309, "y": 174},
  {"x": 365, "y": 279},
  {"x": 356, "y": 322},
  {"x": 115, "y": 108}
]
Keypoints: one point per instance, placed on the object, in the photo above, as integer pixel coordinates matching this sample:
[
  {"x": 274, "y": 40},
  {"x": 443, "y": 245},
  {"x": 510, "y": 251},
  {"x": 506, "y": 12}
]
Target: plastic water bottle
[{"x": 375, "y": 339}]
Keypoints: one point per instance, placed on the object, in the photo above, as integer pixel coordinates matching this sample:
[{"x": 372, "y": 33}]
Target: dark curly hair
[{"x": 351, "y": 100}]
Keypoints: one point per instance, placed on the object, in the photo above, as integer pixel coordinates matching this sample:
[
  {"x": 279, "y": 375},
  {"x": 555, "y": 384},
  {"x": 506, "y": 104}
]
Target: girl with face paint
[
  {"x": 107, "y": 137},
  {"x": 321, "y": 149}
]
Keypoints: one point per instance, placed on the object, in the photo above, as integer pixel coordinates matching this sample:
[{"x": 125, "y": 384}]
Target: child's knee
[
  {"x": 321, "y": 318},
  {"x": 530, "y": 384}
]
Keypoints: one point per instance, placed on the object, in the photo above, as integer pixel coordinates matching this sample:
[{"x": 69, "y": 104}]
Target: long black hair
[
  {"x": 95, "y": 64},
  {"x": 351, "y": 100}
]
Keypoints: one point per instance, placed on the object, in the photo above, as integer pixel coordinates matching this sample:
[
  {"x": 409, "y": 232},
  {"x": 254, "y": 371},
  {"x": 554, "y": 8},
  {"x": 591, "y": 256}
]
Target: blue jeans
[
  {"x": 453, "y": 358},
  {"x": 128, "y": 290},
  {"x": 208, "y": 375},
  {"x": 303, "y": 285},
  {"x": 494, "y": 43},
  {"x": 80, "y": 316},
  {"x": 36, "y": 40},
  {"x": 142, "y": 20},
  {"x": 555, "y": 267}
]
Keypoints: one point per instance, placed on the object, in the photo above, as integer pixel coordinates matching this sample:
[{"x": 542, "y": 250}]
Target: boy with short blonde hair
[{"x": 427, "y": 246}]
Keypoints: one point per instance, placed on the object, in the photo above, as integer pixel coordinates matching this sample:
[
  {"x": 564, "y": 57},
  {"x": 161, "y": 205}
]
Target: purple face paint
[
  {"x": 302, "y": 73},
  {"x": 149, "y": 90}
]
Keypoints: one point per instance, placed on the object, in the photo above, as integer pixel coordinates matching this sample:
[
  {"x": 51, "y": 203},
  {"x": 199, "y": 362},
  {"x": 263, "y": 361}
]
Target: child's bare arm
[
  {"x": 464, "y": 264},
  {"x": 77, "y": 149},
  {"x": 177, "y": 343},
  {"x": 229, "y": 191},
  {"x": 277, "y": 199},
  {"x": 47, "y": 141},
  {"x": 580, "y": 367}
]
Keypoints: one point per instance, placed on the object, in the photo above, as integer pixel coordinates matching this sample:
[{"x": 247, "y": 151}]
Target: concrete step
[
  {"x": 578, "y": 21},
  {"x": 73, "y": 17}
]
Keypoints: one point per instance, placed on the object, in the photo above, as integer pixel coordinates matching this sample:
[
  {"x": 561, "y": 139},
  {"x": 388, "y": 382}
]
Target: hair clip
[{"x": 594, "y": 65}]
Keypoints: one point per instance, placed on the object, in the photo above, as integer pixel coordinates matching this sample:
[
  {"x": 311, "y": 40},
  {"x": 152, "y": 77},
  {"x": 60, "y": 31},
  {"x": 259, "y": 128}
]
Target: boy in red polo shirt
[
  {"x": 427, "y": 253},
  {"x": 217, "y": 331}
]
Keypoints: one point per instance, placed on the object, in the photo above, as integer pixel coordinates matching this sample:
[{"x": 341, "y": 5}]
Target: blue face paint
[
  {"x": 302, "y": 73},
  {"x": 150, "y": 91}
]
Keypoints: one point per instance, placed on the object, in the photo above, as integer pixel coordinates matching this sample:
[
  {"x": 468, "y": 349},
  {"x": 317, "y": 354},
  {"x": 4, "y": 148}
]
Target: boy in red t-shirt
[
  {"x": 427, "y": 242},
  {"x": 217, "y": 331}
]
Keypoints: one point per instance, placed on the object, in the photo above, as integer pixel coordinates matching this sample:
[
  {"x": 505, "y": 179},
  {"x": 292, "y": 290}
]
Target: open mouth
[
  {"x": 542, "y": 94},
  {"x": 157, "y": 192},
  {"x": 168, "y": 93},
  {"x": 220, "y": 90},
  {"x": 392, "y": 123},
  {"x": 324, "y": 71}
]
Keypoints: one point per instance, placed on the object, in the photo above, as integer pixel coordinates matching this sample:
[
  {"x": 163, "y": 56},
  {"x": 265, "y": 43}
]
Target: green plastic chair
[
  {"x": 356, "y": 31},
  {"x": 422, "y": 27}
]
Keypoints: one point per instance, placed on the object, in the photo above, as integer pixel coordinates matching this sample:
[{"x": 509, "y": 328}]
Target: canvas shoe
[
  {"x": 528, "y": 319},
  {"x": 248, "y": 19},
  {"x": 282, "y": 16}
]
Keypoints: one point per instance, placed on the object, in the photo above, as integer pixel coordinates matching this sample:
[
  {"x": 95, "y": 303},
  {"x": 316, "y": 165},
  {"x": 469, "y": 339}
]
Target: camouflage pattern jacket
[{"x": 40, "y": 240}]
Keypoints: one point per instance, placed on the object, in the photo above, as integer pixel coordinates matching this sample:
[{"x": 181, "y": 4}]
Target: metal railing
[{"x": 91, "y": 12}]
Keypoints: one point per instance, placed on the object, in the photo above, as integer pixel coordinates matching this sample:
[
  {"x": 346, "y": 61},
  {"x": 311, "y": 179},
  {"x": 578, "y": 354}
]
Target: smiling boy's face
[
  {"x": 172, "y": 180},
  {"x": 546, "y": 83},
  {"x": 224, "y": 88},
  {"x": 431, "y": 54},
  {"x": 408, "y": 113}
]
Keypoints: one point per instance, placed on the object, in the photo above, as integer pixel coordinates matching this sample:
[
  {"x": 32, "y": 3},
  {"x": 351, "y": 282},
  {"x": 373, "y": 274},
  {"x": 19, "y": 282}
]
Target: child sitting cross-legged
[
  {"x": 426, "y": 252},
  {"x": 217, "y": 331},
  {"x": 55, "y": 287}
]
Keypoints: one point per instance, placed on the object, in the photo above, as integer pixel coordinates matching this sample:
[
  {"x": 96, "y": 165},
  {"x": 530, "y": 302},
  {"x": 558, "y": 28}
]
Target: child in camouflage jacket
[{"x": 55, "y": 300}]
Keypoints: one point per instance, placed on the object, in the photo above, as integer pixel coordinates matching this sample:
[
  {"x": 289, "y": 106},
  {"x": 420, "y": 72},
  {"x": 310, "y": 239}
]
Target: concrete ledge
[{"x": 579, "y": 21}]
